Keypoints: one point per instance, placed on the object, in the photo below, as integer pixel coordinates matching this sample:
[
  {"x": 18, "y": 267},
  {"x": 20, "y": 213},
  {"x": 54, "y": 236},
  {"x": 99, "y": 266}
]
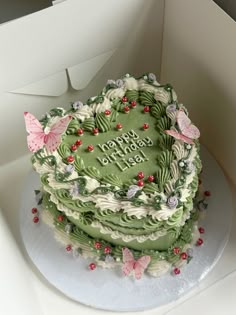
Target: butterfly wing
[
  {"x": 187, "y": 128},
  {"x": 32, "y": 124},
  {"x": 35, "y": 139},
  {"x": 179, "y": 136},
  {"x": 140, "y": 266},
  {"x": 128, "y": 260},
  {"x": 56, "y": 131},
  {"x": 60, "y": 126}
]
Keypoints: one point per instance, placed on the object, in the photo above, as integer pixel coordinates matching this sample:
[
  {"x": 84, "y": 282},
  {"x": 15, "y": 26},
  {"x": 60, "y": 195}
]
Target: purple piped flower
[
  {"x": 69, "y": 168},
  {"x": 172, "y": 202},
  {"x": 151, "y": 77},
  {"x": 132, "y": 191},
  {"x": 171, "y": 108},
  {"x": 75, "y": 190},
  {"x": 77, "y": 105},
  {"x": 109, "y": 259},
  {"x": 189, "y": 252},
  {"x": 119, "y": 83}
]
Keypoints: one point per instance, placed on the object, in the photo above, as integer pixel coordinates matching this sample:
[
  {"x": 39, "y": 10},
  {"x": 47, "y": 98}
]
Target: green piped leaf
[
  {"x": 147, "y": 98},
  {"x": 92, "y": 172},
  {"x": 164, "y": 123},
  {"x": 165, "y": 158},
  {"x": 151, "y": 188},
  {"x": 158, "y": 110},
  {"x": 73, "y": 127},
  {"x": 132, "y": 95},
  {"x": 166, "y": 141},
  {"x": 114, "y": 115},
  {"x": 64, "y": 150},
  {"x": 113, "y": 180},
  {"x": 163, "y": 175},
  {"x": 88, "y": 124},
  {"x": 102, "y": 122},
  {"x": 78, "y": 163}
]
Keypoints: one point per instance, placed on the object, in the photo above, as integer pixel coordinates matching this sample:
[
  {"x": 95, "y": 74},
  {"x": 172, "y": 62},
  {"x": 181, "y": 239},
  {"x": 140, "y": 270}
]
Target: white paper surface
[{"x": 17, "y": 294}]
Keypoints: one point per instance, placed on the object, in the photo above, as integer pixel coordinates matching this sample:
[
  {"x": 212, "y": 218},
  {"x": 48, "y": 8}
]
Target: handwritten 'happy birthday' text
[{"x": 123, "y": 145}]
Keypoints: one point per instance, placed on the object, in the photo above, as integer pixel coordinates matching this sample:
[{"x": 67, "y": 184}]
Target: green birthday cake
[{"x": 120, "y": 175}]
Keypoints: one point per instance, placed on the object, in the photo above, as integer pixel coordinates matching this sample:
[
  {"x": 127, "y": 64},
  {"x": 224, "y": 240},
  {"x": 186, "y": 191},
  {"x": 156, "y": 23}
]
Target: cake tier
[{"x": 126, "y": 171}]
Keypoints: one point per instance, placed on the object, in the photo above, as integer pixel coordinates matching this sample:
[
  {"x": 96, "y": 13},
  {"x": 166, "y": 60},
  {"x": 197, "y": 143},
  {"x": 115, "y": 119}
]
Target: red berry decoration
[
  {"x": 126, "y": 109},
  {"x": 184, "y": 256},
  {"x": 124, "y": 99},
  {"x": 92, "y": 266},
  {"x": 70, "y": 159},
  {"x": 78, "y": 142},
  {"x": 34, "y": 210},
  {"x": 90, "y": 148},
  {"x": 145, "y": 126},
  {"x": 140, "y": 183},
  {"x": 150, "y": 178},
  {"x": 107, "y": 250},
  {"x": 133, "y": 104},
  {"x": 80, "y": 131},
  {"x": 140, "y": 175},
  {"x": 73, "y": 147},
  {"x": 119, "y": 126},
  {"x": 146, "y": 109},
  {"x": 95, "y": 131},
  {"x": 207, "y": 193},
  {"x": 176, "y": 250},
  {"x": 60, "y": 218},
  {"x": 107, "y": 112},
  {"x": 68, "y": 248},
  {"x": 36, "y": 219},
  {"x": 199, "y": 241},
  {"x": 97, "y": 245},
  {"x": 201, "y": 230},
  {"x": 176, "y": 271}
]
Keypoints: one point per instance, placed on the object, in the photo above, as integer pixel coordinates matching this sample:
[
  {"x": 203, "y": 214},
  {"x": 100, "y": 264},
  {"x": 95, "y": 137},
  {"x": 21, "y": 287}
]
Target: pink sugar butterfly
[
  {"x": 48, "y": 137},
  {"x": 189, "y": 131},
  {"x": 130, "y": 264}
]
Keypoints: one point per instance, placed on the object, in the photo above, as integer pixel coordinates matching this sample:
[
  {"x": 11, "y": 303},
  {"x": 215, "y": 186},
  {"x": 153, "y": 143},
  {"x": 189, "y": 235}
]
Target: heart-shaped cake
[{"x": 119, "y": 176}]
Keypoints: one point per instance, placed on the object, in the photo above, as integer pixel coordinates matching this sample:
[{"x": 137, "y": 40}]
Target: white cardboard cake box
[{"x": 67, "y": 52}]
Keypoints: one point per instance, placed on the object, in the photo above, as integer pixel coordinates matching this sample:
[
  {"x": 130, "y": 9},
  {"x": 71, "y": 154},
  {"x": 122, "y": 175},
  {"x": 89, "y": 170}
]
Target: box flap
[
  {"x": 43, "y": 44},
  {"x": 80, "y": 75},
  {"x": 54, "y": 85}
]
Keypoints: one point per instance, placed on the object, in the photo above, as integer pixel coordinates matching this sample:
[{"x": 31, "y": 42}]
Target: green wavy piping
[
  {"x": 102, "y": 122},
  {"x": 158, "y": 110},
  {"x": 113, "y": 180},
  {"x": 79, "y": 163},
  {"x": 74, "y": 125},
  {"x": 132, "y": 95},
  {"x": 147, "y": 98},
  {"x": 163, "y": 175},
  {"x": 88, "y": 124},
  {"x": 92, "y": 172}
]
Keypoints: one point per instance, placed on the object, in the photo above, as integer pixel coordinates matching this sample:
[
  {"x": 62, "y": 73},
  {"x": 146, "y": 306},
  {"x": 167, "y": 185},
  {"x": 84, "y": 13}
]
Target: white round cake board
[{"x": 107, "y": 289}]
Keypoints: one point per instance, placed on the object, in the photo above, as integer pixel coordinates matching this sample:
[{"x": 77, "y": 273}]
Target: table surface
[{"x": 214, "y": 294}]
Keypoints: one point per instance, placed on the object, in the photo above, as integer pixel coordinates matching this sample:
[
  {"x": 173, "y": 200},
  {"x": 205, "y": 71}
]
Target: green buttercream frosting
[
  {"x": 147, "y": 98},
  {"x": 88, "y": 124},
  {"x": 132, "y": 95},
  {"x": 133, "y": 188},
  {"x": 102, "y": 122},
  {"x": 74, "y": 125}
]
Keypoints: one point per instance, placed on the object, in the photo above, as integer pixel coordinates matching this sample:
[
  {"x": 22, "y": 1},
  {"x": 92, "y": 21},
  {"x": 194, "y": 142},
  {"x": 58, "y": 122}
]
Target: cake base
[{"x": 107, "y": 289}]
